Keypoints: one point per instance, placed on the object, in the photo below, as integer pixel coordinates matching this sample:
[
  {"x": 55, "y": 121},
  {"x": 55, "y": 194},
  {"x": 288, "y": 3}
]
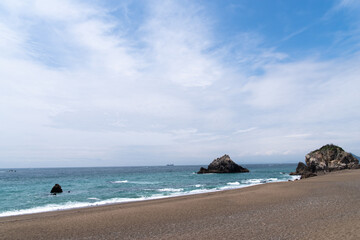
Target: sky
[{"x": 130, "y": 83}]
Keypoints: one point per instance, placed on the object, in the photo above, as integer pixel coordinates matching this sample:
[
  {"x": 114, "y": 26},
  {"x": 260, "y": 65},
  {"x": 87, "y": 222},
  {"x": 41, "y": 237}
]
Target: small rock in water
[
  {"x": 223, "y": 165},
  {"x": 56, "y": 189}
]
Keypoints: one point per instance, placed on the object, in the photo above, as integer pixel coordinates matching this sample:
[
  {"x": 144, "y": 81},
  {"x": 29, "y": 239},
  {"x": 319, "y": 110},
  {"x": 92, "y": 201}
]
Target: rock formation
[
  {"x": 223, "y": 165},
  {"x": 303, "y": 170},
  {"x": 56, "y": 189},
  {"x": 326, "y": 159}
]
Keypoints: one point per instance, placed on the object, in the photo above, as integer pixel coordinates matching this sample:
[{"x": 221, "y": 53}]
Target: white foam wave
[
  {"x": 93, "y": 198},
  {"x": 295, "y": 177},
  {"x": 199, "y": 185},
  {"x": 135, "y": 182},
  {"x": 46, "y": 208},
  {"x": 230, "y": 187},
  {"x": 72, "y": 205},
  {"x": 198, "y": 191},
  {"x": 122, "y": 181},
  {"x": 233, "y": 183},
  {"x": 272, "y": 180},
  {"x": 171, "y": 190},
  {"x": 260, "y": 180},
  {"x": 252, "y": 181}
]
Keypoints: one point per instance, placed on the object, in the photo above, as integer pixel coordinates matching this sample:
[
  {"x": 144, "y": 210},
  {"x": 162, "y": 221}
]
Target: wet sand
[{"x": 323, "y": 207}]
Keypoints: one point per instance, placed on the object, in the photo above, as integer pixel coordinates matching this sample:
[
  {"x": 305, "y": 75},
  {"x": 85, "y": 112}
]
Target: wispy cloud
[
  {"x": 179, "y": 42},
  {"x": 245, "y": 130},
  {"x": 80, "y": 82},
  {"x": 348, "y": 3},
  {"x": 293, "y": 34}
]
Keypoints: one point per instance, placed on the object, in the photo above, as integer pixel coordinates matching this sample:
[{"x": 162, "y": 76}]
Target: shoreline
[
  {"x": 277, "y": 210},
  {"x": 81, "y": 205}
]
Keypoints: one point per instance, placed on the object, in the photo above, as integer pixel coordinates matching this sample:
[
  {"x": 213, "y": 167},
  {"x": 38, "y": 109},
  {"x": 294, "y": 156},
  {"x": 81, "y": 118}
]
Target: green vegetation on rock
[{"x": 329, "y": 147}]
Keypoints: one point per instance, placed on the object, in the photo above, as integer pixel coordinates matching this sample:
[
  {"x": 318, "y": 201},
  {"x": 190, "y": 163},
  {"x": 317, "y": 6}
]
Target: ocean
[{"x": 25, "y": 191}]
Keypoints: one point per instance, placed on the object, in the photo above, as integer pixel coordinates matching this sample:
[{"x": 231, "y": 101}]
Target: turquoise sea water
[{"x": 24, "y": 191}]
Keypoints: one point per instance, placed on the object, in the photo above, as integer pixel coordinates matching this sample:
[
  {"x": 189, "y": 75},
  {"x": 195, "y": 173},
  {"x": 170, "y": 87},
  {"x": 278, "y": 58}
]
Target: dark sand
[{"x": 324, "y": 207}]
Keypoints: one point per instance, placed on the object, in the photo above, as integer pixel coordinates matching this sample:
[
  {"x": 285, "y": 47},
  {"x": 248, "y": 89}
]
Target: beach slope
[{"x": 324, "y": 207}]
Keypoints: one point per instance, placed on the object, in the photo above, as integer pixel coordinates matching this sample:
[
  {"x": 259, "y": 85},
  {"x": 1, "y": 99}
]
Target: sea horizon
[{"x": 156, "y": 165}]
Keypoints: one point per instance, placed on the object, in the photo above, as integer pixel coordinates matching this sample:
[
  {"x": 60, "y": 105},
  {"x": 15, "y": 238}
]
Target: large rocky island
[
  {"x": 326, "y": 159},
  {"x": 223, "y": 164}
]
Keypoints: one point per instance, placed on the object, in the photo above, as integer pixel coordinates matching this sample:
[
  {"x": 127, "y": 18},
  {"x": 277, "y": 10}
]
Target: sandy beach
[{"x": 323, "y": 207}]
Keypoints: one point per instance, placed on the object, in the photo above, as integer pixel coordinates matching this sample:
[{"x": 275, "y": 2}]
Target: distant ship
[{"x": 170, "y": 165}]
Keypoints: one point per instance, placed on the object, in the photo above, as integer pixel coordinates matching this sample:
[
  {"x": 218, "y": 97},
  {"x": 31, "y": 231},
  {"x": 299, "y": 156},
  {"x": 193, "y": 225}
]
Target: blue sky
[{"x": 123, "y": 83}]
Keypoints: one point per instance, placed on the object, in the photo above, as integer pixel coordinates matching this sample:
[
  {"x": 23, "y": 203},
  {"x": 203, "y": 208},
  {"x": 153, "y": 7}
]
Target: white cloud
[
  {"x": 313, "y": 88},
  {"x": 179, "y": 40},
  {"x": 57, "y": 10},
  {"x": 103, "y": 83},
  {"x": 75, "y": 84}
]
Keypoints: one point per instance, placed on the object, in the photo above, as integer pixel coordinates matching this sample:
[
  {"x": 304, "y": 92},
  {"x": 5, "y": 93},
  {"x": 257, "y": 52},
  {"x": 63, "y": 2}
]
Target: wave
[
  {"x": 46, "y": 208},
  {"x": 233, "y": 183},
  {"x": 135, "y": 182},
  {"x": 70, "y": 205},
  {"x": 295, "y": 177},
  {"x": 144, "y": 182},
  {"x": 199, "y": 191},
  {"x": 261, "y": 180},
  {"x": 170, "y": 190},
  {"x": 73, "y": 205},
  {"x": 253, "y": 181},
  {"x": 122, "y": 181}
]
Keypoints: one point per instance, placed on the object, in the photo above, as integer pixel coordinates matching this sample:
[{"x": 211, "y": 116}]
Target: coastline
[
  {"x": 79, "y": 205},
  {"x": 323, "y": 207},
  {"x": 111, "y": 202},
  {"x": 121, "y": 186}
]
